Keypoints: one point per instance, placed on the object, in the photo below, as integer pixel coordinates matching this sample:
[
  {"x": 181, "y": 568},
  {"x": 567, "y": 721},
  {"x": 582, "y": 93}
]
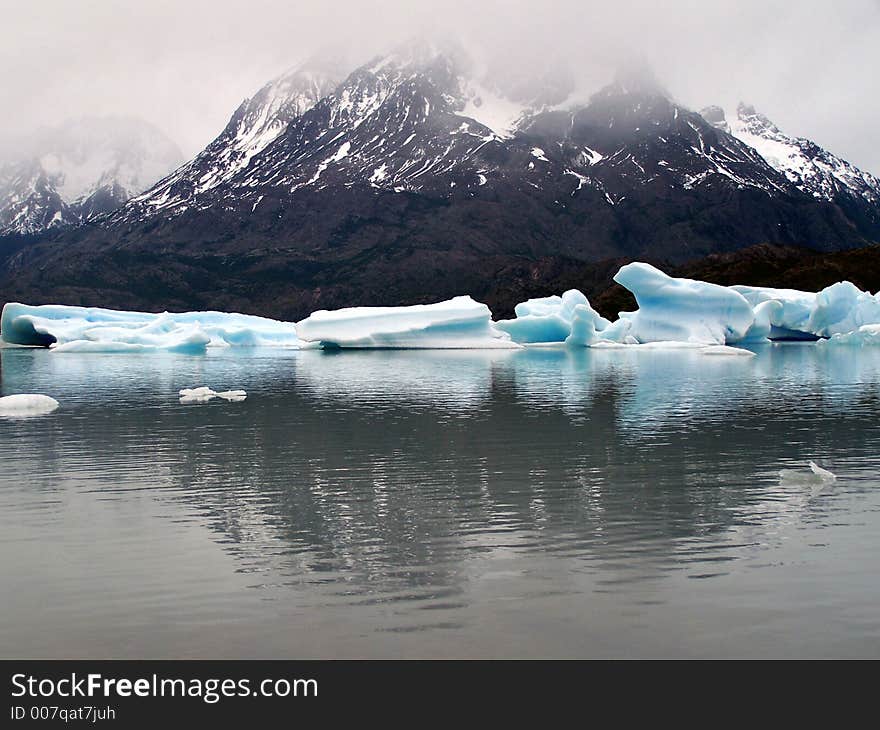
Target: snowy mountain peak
[
  {"x": 753, "y": 122},
  {"x": 716, "y": 117},
  {"x": 812, "y": 169},
  {"x": 256, "y": 123},
  {"x": 422, "y": 52},
  {"x": 636, "y": 79},
  {"x": 70, "y": 173}
]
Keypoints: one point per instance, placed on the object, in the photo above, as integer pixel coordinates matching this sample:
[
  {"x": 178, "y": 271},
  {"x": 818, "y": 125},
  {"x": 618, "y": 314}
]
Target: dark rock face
[{"x": 412, "y": 181}]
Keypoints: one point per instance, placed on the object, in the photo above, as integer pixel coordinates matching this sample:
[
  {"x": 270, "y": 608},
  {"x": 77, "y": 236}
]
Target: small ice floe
[
  {"x": 823, "y": 474},
  {"x": 203, "y": 394},
  {"x": 27, "y": 404},
  {"x": 727, "y": 350}
]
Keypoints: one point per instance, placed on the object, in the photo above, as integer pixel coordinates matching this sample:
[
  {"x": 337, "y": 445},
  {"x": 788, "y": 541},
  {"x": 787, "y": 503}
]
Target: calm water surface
[{"x": 443, "y": 504}]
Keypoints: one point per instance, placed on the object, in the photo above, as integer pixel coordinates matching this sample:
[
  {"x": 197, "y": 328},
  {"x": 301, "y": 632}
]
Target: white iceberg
[
  {"x": 672, "y": 311},
  {"x": 790, "y": 320},
  {"x": 27, "y": 404},
  {"x": 823, "y": 474},
  {"x": 842, "y": 308},
  {"x": 459, "y": 323},
  {"x": 68, "y": 328},
  {"x": 867, "y": 334},
  {"x": 762, "y": 328},
  {"x": 203, "y": 394},
  {"x": 569, "y": 319},
  {"x": 836, "y": 310},
  {"x": 683, "y": 309}
]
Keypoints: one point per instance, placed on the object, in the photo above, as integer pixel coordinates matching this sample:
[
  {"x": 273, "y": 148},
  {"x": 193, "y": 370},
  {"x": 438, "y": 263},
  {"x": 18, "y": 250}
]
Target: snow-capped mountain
[
  {"x": 423, "y": 120},
  {"x": 811, "y": 168},
  {"x": 253, "y": 126},
  {"x": 72, "y": 173},
  {"x": 29, "y": 201},
  {"x": 413, "y": 113},
  {"x": 421, "y": 174}
]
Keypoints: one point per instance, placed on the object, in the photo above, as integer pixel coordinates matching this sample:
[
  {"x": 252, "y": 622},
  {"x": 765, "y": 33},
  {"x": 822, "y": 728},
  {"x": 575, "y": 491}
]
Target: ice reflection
[{"x": 416, "y": 483}]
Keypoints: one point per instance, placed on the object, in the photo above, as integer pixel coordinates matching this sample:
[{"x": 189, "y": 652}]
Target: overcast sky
[{"x": 184, "y": 65}]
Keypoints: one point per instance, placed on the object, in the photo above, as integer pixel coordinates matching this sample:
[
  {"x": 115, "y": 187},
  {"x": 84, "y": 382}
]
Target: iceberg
[
  {"x": 459, "y": 323},
  {"x": 823, "y": 474},
  {"x": 842, "y": 308},
  {"x": 683, "y": 309},
  {"x": 203, "y": 394},
  {"x": 789, "y": 321},
  {"x": 836, "y": 310},
  {"x": 27, "y": 404},
  {"x": 68, "y": 328},
  {"x": 567, "y": 319},
  {"x": 867, "y": 334},
  {"x": 672, "y": 312},
  {"x": 762, "y": 328}
]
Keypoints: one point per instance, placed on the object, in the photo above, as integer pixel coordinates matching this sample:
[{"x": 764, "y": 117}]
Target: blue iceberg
[
  {"x": 91, "y": 329},
  {"x": 556, "y": 319},
  {"x": 460, "y": 323},
  {"x": 684, "y": 310}
]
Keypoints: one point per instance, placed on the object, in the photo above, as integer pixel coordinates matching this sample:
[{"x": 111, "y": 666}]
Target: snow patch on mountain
[
  {"x": 812, "y": 169},
  {"x": 74, "y": 172}
]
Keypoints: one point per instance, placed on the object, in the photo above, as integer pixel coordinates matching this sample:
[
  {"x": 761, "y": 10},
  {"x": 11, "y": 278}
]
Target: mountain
[
  {"x": 72, "y": 173},
  {"x": 812, "y": 169},
  {"x": 420, "y": 175},
  {"x": 253, "y": 126}
]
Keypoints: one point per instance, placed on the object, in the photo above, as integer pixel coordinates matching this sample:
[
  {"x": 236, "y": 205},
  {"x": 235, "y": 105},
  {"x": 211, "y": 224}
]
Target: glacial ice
[
  {"x": 867, "y": 334},
  {"x": 460, "y": 323},
  {"x": 68, "y": 328},
  {"x": 836, "y": 310},
  {"x": 672, "y": 312},
  {"x": 27, "y": 404},
  {"x": 203, "y": 394},
  {"x": 569, "y": 319},
  {"x": 823, "y": 474},
  {"x": 790, "y": 320},
  {"x": 683, "y": 309},
  {"x": 841, "y": 308}
]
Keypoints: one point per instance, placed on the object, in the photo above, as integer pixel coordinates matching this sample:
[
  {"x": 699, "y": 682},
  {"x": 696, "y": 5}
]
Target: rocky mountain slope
[
  {"x": 419, "y": 176},
  {"x": 77, "y": 171}
]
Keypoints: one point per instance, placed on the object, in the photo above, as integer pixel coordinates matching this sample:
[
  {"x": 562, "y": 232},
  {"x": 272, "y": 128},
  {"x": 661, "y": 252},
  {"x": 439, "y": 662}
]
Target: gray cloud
[{"x": 810, "y": 66}]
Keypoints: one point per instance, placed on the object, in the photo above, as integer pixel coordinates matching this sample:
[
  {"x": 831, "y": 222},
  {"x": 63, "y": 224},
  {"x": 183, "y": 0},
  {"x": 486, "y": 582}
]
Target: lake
[{"x": 539, "y": 503}]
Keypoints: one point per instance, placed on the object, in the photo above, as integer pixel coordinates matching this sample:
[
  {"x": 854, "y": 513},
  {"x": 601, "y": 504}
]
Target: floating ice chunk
[
  {"x": 585, "y": 326},
  {"x": 823, "y": 474},
  {"x": 791, "y": 322},
  {"x": 536, "y": 328},
  {"x": 683, "y": 309},
  {"x": 460, "y": 323},
  {"x": 726, "y": 350},
  {"x": 842, "y": 307},
  {"x": 27, "y": 404},
  {"x": 179, "y": 332},
  {"x": 203, "y": 394},
  {"x": 569, "y": 319},
  {"x": 203, "y": 390},
  {"x": 867, "y": 334},
  {"x": 837, "y": 309},
  {"x": 762, "y": 327},
  {"x": 188, "y": 339}
]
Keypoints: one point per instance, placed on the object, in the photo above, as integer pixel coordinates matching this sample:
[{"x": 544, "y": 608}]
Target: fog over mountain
[{"x": 182, "y": 66}]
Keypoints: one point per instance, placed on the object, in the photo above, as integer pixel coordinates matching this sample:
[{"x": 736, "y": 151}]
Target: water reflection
[{"x": 402, "y": 480}]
